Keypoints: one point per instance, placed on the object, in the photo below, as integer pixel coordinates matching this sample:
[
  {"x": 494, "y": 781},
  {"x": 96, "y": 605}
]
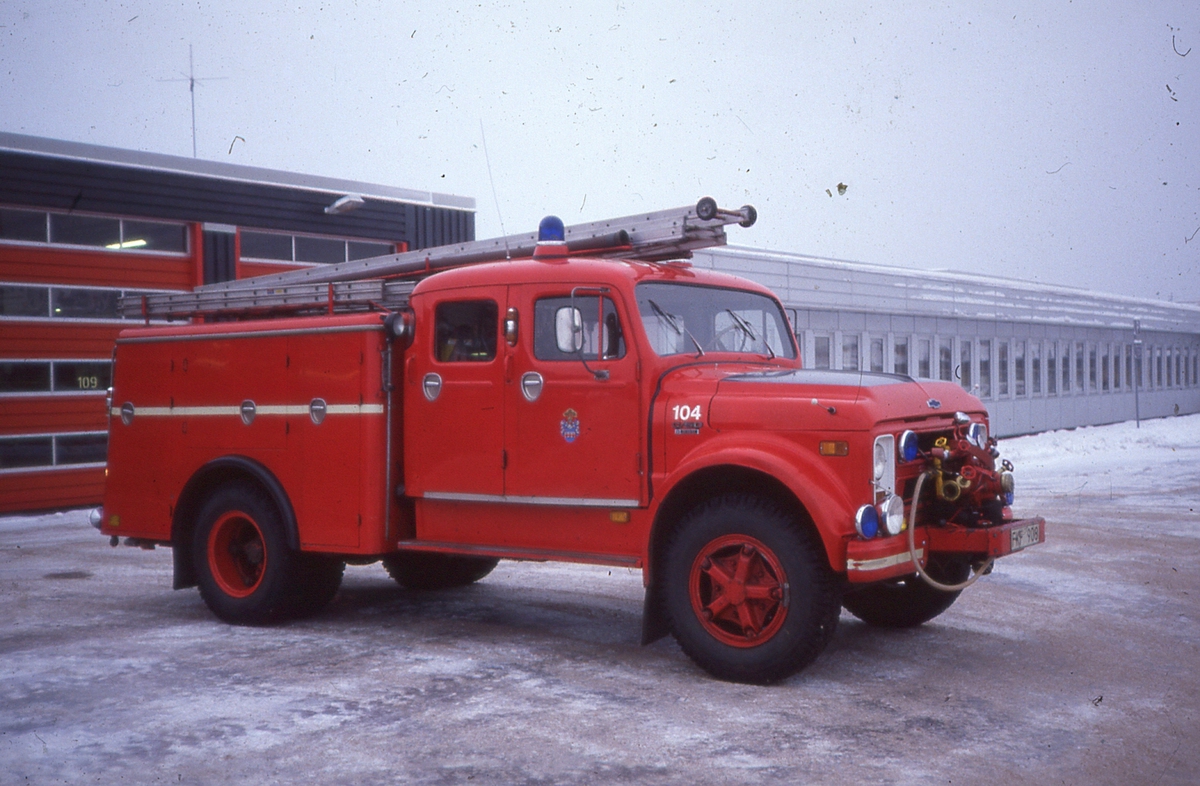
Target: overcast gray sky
[{"x": 1050, "y": 141}]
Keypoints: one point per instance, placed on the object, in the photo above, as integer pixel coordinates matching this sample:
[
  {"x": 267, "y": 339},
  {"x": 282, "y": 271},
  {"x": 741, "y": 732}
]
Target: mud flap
[{"x": 654, "y": 622}]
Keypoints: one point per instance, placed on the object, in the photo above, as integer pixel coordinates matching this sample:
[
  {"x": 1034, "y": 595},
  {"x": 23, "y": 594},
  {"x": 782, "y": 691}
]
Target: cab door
[
  {"x": 573, "y": 434},
  {"x": 454, "y": 396}
]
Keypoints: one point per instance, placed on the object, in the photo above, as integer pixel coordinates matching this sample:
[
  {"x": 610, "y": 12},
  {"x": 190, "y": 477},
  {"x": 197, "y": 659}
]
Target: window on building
[
  {"x": 1080, "y": 379},
  {"x": 946, "y": 359},
  {"x": 116, "y": 234},
  {"x": 22, "y": 376},
  {"x": 877, "y": 354},
  {"x": 964, "y": 363},
  {"x": 23, "y": 225},
  {"x": 985, "y": 368},
  {"x": 1036, "y": 366},
  {"x": 1158, "y": 367},
  {"x": 19, "y": 301},
  {"x": 26, "y": 452},
  {"x": 850, "y": 351},
  {"x": 265, "y": 245},
  {"x": 900, "y": 356},
  {"x": 80, "y": 448},
  {"x": 1065, "y": 365},
  {"x": 1002, "y": 368},
  {"x": 923, "y": 359},
  {"x": 1091, "y": 367},
  {"x": 30, "y": 377},
  {"x": 320, "y": 250},
  {"x": 153, "y": 236},
  {"x": 1116, "y": 380},
  {"x": 79, "y": 230},
  {"x": 84, "y": 303},
  {"x": 1051, "y": 368},
  {"x": 359, "y": 250},
  {"x": 821, "y": 353},
  {"x": 32, "y": 301},
  {"x": 1104, "y": 366},
  {"x": 50, "y": 450},
  {"x": 1019, "y": 368},
  {"x": 308, "y": 249}
]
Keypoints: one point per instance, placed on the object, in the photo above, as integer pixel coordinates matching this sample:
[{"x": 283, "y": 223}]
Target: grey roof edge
[
  {"x": 83, "y": 151},
  {"x": 1192, "y": 311}
]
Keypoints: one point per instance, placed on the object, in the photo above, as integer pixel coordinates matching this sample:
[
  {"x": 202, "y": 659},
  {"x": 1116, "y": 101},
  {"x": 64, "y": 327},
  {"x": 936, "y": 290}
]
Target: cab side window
[
  {"x": 600, "y": 334},
  {"x": 465, "y": 331}
]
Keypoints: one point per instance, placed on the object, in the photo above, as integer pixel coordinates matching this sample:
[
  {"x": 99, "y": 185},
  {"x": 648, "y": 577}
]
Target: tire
[
  {"x": 748, "y": 591},
  {"x": 418, "y": 570},
  {"x": 909, "y": 601},
  {"x": 245, "y": 570}
]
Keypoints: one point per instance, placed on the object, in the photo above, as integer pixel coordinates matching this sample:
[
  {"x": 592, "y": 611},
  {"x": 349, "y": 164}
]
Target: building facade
[
  {"x": 82, "y": 225},
  {"x": 1040, "y": 357}
]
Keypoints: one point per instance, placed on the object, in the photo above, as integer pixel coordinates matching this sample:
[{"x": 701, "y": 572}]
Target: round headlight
[
  {"x": 977, "y": 435},
  {"x": 893, "y": 515},
  {"x": 866, "y": 521},
  {"x": 881, "y": 459},
  {"x": 909, "y": 448},
  {"x": 1007, "y": 485}
]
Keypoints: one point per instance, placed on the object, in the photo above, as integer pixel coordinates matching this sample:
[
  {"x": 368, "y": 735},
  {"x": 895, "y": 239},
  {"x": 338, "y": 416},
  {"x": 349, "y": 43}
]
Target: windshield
[{"x": 682, "y": 319}]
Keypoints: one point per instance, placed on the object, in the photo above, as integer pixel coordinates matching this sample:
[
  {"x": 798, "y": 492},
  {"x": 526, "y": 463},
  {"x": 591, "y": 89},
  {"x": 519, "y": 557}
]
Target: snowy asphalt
[{"x": 1075, "y": 662}]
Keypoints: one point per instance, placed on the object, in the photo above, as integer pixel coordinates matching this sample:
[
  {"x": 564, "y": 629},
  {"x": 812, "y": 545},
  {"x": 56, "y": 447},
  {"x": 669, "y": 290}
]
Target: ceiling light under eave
[{"x": 345, "y": 204}]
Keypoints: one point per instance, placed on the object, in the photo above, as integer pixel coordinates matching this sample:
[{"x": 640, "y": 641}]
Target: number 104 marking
[{"x": 684, "y": 412}]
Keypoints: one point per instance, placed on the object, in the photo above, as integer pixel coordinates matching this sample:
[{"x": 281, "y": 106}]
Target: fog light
[
  {"x": 866, "y": 521},
  {"x": 892, "y": 511}
]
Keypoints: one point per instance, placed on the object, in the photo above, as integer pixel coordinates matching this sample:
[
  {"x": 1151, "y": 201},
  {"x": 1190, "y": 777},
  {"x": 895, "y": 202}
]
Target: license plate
[{"x": 1025, "y": 536}]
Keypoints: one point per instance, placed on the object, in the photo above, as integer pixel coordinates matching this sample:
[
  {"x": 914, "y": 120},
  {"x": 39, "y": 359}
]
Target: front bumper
[{"x": 886, "y": 558}]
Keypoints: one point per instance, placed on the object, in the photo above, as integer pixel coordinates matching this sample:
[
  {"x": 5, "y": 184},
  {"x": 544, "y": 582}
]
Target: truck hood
[{"x": 811, "y": 399}]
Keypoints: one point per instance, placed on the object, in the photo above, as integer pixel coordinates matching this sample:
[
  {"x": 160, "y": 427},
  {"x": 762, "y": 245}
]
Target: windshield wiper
[
  {"x": 675, "y": 326},
  {"x": 749, "y": 331}
]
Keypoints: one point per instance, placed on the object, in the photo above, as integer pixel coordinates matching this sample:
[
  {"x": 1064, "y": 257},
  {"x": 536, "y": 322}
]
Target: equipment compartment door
[
  {"x": 573, "y": 432},
  {"x": 453, "y": 394}
]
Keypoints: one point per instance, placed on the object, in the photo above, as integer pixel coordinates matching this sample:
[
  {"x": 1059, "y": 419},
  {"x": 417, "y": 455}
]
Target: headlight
[
  {"x": 977, "y": 435},
  {"x": 1007, "y": 484},
  {"x": 883, "y": 465},
  {"x": 866, "y": 521},
  {"x": 909, "y": 447},
  {"x": 893, "y": 515}
]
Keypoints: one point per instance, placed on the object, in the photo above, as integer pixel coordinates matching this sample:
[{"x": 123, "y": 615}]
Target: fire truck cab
[{"x": 630, "y": 412}]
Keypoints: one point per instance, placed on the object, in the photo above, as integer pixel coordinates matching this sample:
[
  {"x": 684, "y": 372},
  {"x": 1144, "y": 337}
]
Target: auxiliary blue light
[
  {"x": 551, "y": 230},
  {"x": 866, "y": 521},
  {"x": 909, "y": 449}
]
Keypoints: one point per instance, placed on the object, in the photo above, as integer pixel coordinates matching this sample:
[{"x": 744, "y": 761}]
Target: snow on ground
[{"x": 1128, "y": 463}]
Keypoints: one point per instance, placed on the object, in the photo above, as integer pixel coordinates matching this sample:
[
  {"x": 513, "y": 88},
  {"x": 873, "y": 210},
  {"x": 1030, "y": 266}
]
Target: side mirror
[{"x": 568, "y": 329}]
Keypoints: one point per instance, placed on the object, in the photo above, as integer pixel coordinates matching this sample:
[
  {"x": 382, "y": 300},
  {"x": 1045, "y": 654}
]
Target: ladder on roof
[{"x": 374, "y": 284}]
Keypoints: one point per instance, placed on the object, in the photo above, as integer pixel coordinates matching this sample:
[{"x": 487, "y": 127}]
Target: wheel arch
[{"x": 198, "y": 488}]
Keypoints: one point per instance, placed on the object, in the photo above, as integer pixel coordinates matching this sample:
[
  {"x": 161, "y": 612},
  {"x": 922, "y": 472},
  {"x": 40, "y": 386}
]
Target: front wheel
[
  {"x": 909, "y": 601},
  {"x": 748, "y": 591},
  {"x": 246, "y": 572}
]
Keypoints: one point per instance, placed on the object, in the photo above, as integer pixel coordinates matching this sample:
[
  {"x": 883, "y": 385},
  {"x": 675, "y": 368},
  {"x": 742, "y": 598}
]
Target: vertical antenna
[
  {"x": 487, "y": 159},
  {"x": 191, "y": 79}
]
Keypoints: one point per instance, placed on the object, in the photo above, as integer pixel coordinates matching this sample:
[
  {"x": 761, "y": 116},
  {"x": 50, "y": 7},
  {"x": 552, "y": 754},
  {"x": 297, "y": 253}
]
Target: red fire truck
[{"x": 585, "y": 396}]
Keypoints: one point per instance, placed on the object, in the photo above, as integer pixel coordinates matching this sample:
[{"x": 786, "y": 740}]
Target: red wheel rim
[
  {"x": 739, "y": 591},
  {"x": 237, "y": 554}
]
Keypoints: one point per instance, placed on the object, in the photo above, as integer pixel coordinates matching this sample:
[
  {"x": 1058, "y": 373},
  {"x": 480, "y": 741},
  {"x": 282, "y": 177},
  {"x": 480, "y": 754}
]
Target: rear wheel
[
  {"x": 246, "y": 572},
  {"x": 909, "y": 601},
  {"x": 418, "y": 570},
  {"x": 748, "y": 591}
]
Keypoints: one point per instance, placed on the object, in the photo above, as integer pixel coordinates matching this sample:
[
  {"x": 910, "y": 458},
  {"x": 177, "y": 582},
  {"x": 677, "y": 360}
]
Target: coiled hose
[{"x": 912, "y": 548}]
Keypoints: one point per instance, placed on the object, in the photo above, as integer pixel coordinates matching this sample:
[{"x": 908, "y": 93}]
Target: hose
[{"x": 912, "y": 548}]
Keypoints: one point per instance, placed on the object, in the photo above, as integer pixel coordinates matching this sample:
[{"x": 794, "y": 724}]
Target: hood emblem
[{"x": 933, "y": 403}]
